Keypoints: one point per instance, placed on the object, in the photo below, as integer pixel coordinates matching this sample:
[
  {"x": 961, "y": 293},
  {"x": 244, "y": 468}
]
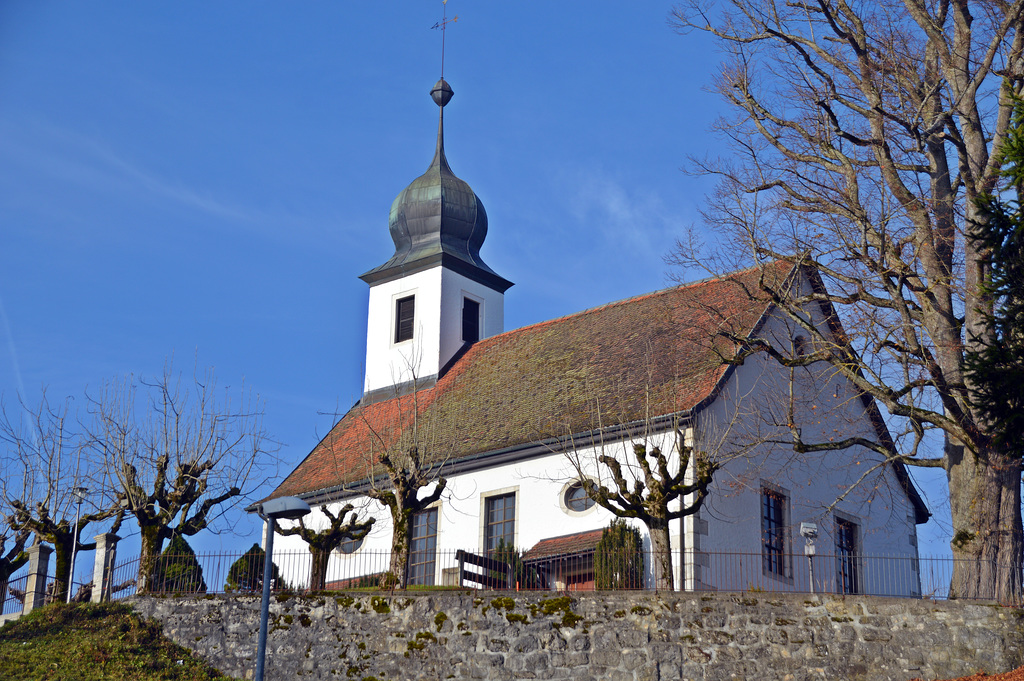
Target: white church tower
[{"x": 435, "y": 297}]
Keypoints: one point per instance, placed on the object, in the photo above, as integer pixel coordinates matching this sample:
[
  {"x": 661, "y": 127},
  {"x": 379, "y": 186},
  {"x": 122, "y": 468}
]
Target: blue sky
[{"x": 206, "y": 181}]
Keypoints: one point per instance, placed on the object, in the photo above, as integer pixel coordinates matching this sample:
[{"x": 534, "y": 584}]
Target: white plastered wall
[
  {"x": 757, "y": 404},
  {"x": 539, "y": 484}
]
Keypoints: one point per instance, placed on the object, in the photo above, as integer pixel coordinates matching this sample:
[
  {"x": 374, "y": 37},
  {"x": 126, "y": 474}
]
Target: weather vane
[{"x": 443, "y": 24}]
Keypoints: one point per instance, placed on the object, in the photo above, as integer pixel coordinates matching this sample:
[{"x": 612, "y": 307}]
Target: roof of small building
[
  {"x": 567, "y": 544},
  {"x": 656, "y": 354}
]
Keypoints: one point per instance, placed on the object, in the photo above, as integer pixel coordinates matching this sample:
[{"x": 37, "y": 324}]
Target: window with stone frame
[
  {"x": 423, "y": 547},
  {"x": 499, "y": 522},
  {"x": 847, "y": 573},
  {"x": 773, "y": 531}
]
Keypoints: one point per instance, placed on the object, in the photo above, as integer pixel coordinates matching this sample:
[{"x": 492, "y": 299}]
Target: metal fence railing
[
  {"x": 236, "y": 572},
  {"x": 895, "y": 576},
  {"x": 14, "y": 595}
]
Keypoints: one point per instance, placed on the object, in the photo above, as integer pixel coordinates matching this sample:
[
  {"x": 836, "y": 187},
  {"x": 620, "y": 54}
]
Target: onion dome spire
[{"x": 438, "y": 219}]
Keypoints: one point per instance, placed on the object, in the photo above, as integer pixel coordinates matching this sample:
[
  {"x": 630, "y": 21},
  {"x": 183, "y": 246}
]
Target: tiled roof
[
  {"x": 652, "y": 355},
  {"x": 566, "y": 544}
]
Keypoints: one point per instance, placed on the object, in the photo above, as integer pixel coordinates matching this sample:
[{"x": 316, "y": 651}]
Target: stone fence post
[
  {"x": 106, "y": 555},
  {"x": 38, "y": 566}
]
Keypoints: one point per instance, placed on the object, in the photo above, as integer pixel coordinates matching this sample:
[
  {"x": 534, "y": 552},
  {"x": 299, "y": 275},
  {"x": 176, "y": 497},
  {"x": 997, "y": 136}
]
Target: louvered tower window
[
  {"x": 470, "y": 320},
  {"x": 405, "y": 314}
]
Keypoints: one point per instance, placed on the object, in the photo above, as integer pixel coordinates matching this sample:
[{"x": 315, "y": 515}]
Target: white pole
[
  {"x": 74, "y": 547},
  {"x": 79, "y": 493},
  {"x": 268, "y": 562},
  {"x": 290, "y": 508}
]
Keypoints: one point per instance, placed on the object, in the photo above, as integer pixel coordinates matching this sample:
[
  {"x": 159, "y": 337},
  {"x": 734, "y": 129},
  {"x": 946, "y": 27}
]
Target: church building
[{"x": 516, "y": 421}]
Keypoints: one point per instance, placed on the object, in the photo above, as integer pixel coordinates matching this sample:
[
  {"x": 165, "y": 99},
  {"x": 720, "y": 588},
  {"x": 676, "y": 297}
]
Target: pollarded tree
[
  {"x": 645, "y": 482},
  {"x": 177, "y": 457},
  {"x": 405, "y": 455},
  {"x": 12, "y": 558},
  {"x": 863, "y": 137},
  {"x": 407, "y": 471},
  {"x": 322, "y": 542},
  {"x": 44, "y": 487}
]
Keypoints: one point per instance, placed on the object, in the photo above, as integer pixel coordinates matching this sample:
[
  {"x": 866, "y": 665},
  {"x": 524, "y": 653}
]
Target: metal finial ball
[{"x": 442, "y": 93}]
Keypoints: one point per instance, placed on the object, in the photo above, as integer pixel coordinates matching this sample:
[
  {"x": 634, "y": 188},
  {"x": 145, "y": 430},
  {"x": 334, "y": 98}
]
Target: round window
[
  {"x": 351, "y": 545},
  {"x": 576, "y": 498}
]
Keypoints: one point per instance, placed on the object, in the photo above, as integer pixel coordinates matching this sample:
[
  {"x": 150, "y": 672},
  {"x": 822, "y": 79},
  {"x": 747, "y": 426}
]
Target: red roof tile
[
  {"x": 566, "y": 544},
  {"x": 652, "y": 355}
]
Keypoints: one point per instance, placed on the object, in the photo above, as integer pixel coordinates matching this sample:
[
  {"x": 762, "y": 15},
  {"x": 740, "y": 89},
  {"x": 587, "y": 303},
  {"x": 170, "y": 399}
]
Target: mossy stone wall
[{"x": 602, "y": 636}]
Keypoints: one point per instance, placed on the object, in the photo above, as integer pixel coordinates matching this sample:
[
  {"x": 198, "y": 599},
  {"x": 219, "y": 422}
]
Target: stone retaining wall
[{"x": 603, "y": 636}]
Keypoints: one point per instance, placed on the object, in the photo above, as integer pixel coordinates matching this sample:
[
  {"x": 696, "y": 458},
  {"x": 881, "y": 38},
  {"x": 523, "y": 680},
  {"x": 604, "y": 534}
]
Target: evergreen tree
[
  {"x": 996, "y": 366},
  {"x": 178, "y": 570},
  {"x": 246, "y": 573},
  {"x": 522, "y": 576},
  {"x": 618, "y": 560}
]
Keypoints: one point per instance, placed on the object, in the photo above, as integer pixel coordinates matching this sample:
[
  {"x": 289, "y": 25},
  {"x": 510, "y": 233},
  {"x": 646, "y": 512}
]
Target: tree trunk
[
  {"x": 661, "y": 556},
  {"x": 399, "y": 576},
  {"x": 149, "y": 553},
  {"x": 62, "y": 554},
  {"x": 984, "y": 495},
  {"x": 318, "y": 573}
]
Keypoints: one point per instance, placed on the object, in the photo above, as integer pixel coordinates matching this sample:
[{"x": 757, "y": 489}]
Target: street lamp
[
  {"x": 809, "y": 531},
  {"x": 79, "y": 494},
  {"x": 285, "y": 508}
]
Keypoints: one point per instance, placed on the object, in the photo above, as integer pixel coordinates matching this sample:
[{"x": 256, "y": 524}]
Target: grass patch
[{"x": 90, "y": 642}]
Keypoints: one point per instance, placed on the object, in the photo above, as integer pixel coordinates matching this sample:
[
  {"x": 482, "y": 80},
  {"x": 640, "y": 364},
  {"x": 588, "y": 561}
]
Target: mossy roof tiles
[
  {"x": 566, "y": 544},
  {"x": 656, "y": 354}
]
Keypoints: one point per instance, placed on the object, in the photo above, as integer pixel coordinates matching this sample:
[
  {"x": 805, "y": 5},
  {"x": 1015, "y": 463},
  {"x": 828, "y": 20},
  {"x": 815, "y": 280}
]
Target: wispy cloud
[
  {"x": 631, "y": 218},
  {"x": 71, "y": 157},
  {"x": 11, "y": 348}
]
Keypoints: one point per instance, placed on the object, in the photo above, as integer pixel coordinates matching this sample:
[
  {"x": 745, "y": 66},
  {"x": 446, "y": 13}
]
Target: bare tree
[
  {"x": 13, "y": 555},
  {"x": 409, "y": 442},
  {"x": 645, "y": 482},
  {"x": 658, "y": 468},
  {"x": 409, "y": 465},
  {"x": 178, "y": 457},
  {"x": 12, "y": 558},
  {"x": 864, "y": 135},
  {"x": 323, "y": 542},
  {"x": 44, "y": 457}
]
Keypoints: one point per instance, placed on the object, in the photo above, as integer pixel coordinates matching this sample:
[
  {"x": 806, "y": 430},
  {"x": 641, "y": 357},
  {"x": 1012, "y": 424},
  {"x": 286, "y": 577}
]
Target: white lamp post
[
  {"x": 79, "y": 494},
  {"x": 809, "y": 531},
  {"x": 287, "y": 508}
]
